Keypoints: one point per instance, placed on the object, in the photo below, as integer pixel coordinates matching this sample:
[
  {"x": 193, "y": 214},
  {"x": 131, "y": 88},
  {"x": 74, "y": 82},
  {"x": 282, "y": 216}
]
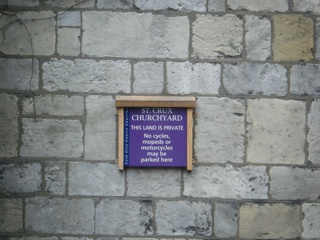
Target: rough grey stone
[
  {"x": 184, "y": 218},
  {"x": 225, "y": 220},
  {"x": 98, "y": 179},
  {"x": 317, "y": 40},
  {"x": 304, "y": 79},
  {"x": 135, "y": 35},
  {"x": 76, "y": 238},
  {"x": 187, "y": 78},
  {"x": 311, "y": 221},
  {"x": 8, "y": 125},
  {"x": 212, "y": 41},
  {"x": 68, "y": 41},
  {"x": 153, "y": 182},
  {"x": 148, "y": 78},
  {"x": 109, "y": 238},
  {"x": 312, "y": 6},
  {"x": 51, "y": 138},
  {"x": 216, "y": 5},
  {"x": 177, "y": 5},
  {"x": 69, "y": 19},
  {"x": 259, "y": 5},
  {"x": 11, "y": 215},
  {"x": 313, "y": 136},
  {"x": 100, "y": 132},
  {"x": 292, "y": 183},
  {"x": 255, "y": 79},
  {"x": 35, "y": 238},
  {"x": 258, "y": 38},
  {"x": 70, "y": 3},
  {"x": 219, "y": 133},
  {"x": 54, "y": 105},
  {"x": 20, "y": 178},
  {"x": 55, "y": 177},
  {"x": 73, "y": 216},
  {"x": 23, "y": 3},
  {"x": 276, "y": 131},
  {"x": 115, "y": 4},
  {"x": 124, "y": 217},
  {"x": 227, "y": 182},
  {"x": 19, "y": 74},
  {"x": 104, "y": 76}
]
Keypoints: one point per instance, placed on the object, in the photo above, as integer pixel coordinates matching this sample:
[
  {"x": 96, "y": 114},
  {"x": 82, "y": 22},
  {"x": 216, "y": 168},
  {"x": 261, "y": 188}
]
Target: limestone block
[
  {"x": 211, "y": 41},
  {"x": 216, "y": 5},
  {"x": 135, "y": 35},
  {"x": 115, "y": 4},
  {"x": 225, "y": 220},
  {"x": 259, "y": 5},
  {"x": 189, "y": 78},
  {"x": 23, "y": 3},
  {"x": 11, "y": 215},
  {"x": 313, "y": 136},
  {"x": 290, "y": 183},
  {"x": 124, "y": 217},
  {"x": 227, "y": 182},
  {"x": 183, "y": 218},
  {"x": 67, "y": 216},
  {"x": 35, "y": 238},
  {"x": 304, "y": 80},
  {"x": 312, "y": 6},
  {"x": 69, "y": 19},
  {"x": 100, "y": 132},
  {"x": 52, "y": 138},
  {"x": 258, "y": 38},
  {"x": 177, "y": 5},
  {"x": 219, "y": 130},
  {"x": 269, "y": 221},
  {"x": 276, "y": 131},
  {"x": 293, "y": 38},
  {"x": 69, "y": 3},
  {"x": 55, "y": 177},
  {"x": 19, "y": 74},
  {"x": 8, "y": 125},
  {"x": 98, "y": 179},
  {"x": 317, "y": 40},
  {"x": 104, "y": 76},
  {"x": 20, "y": 178},
  {"x": 255, "y": 79},
  {"x": 68, "y": 41},
  {"x": 148, "y": 78},
  {"x": 311, "y": 221},
  {"x": 54, "y": 105}
]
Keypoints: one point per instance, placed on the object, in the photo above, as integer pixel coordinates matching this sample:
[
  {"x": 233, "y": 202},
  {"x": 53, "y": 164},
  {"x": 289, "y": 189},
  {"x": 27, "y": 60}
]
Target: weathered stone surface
[
  {"x": 19, "y": 74},
  {"x": 259, "y": 5},
  {"x": 219, "y": 133},
  {"x": 69, "y": 19},
  {"x": 35, "y": 238},
  {"x": 68, "y": 42},
  {"x": 17, "y": 35},
  {"x": 294, "y": 183},
  {"x": 8, "y": 125},
  {"x": 216, "y": 5},
  {"x": 98, "y": 179},
  {"x": 269, "y": 221},
  {"x": 115, "y": 4},
  {"x": 304, "y": 79},
  {"x": 124, "y": 217},
  {"x": 276, "y": 131},
  {"x": 225, "y": 220},
  {"x": 11, "y": 215},
  {"x": 293, "y": 38},
  {"x": 311, "y": 221},
  {"x": 212, "y": 41},
  {"x": 73, "y": 216},
  {"x": 135, "y": 35},
  {"x": 23, "y": 3},
  {"x": 188, "y": 78},
  {"x": 109, "y": 238},
  {"x": 153, "y": 182},
  {"x": 227, "y": 182},
  {"x": 313, "y": 137},
  {"x": 184, "y": 218},
  {"x": 100, "y": 132},
  {"x": 148, "y": 78},
  {"x": 76, "y": 238},
  {"x": 317, "y": 40},
  {"x": 54, "y": 105},
  {"x": 258, "y": 38},
  {"x": 51, "y": 138},
  {"x": 255, "y": 79},
  {"x": 55, "y": 177},
  {"x": 177, "y": 5},
  {"x": 312, "y": 6},
  {"x": 70, "y": 3},
  {"x": 20, "y": 178},
  {"x": 104, "y": 76}
]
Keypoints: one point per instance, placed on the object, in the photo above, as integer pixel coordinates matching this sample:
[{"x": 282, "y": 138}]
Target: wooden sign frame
[{"x": 187, "y": 102}]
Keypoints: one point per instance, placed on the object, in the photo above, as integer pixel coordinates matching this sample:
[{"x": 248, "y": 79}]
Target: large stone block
[
  {"x": 124, "y": 217},
  {"x": 311, "y": 221},
  {"x": 292, "y": 183},
  {"x": 211, "y": 41},
  {"x": 189, "y": 78},
  {"x": 68, "y": 41},
  {"x": 34, "y": 238},
  {"x": 276, "y": 131},
  {"x": 259, "y": 5},
  {"x": 313, "y": 136},
  {"x": 55, "y": 177},
  {"x": 11, "y": 215},
  {"x": 183, "y": 218},
  {"x": 115, "y": 4},
  {"x": 135, "y": 35},
  {"x": 225, "y": 220},
  {"x": 104, "y": 76},
  {"x": 219, "y": 130},
  {"x": 69, "y": 3},
  {"x": 216, "y": 5},
  {"x": 58, "y": 215},
  {"x": 52, "y": 138},
  {"x": 304, "y": 79},
  {"x": 69, "y": 19},
  {"x": 249, "y": 182},
  {"x": 177, "y": 5},
  {"x": 270, "y": 221},
  {"x": 255, "y": 79},
  {"x": 306, "y": 6},
  {"x": 23, "y": 3}
]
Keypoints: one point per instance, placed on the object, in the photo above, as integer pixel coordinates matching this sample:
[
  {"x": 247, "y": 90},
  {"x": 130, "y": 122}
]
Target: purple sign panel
[{"x": 155, "y": 137}]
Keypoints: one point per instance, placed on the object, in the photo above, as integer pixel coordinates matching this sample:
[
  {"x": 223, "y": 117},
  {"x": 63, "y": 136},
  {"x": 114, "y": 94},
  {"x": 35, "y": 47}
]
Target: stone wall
[{"x": 253, "y": 66}]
